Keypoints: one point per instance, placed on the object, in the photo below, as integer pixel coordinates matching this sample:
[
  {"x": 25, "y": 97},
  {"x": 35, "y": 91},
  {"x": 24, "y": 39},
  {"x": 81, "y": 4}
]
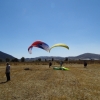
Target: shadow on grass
[{"x": 3, "y": 82}]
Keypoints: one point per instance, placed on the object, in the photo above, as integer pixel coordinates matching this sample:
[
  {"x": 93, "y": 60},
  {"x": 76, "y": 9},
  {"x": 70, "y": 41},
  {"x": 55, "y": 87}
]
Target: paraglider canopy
[
  {"x": 38, "y": 44},
  {"x": 59, "y": 45}
]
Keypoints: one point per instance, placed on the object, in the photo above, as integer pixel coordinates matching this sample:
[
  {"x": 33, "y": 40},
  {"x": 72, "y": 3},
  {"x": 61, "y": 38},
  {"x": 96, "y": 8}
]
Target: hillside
[
  {"x": 85, "y": 56},
  {"x": 3, "y": 56}
]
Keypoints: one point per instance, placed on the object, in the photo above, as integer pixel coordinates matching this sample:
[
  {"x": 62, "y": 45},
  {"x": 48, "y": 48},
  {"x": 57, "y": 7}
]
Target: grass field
[{"x": 44, "y": 83}]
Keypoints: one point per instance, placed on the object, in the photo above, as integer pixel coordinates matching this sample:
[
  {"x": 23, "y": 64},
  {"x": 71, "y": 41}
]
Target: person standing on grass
[
  {"x": 7, "y": 72},
  {"x": 85, "y": 64},
  {"x": 61, "y": 64},
  {"x": 50, "y": 64}
]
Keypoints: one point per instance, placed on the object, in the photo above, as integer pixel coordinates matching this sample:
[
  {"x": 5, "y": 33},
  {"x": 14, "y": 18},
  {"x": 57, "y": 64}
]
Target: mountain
[
  {"x": 3, "y": 56},
  {"x": 86, "y": 56}
]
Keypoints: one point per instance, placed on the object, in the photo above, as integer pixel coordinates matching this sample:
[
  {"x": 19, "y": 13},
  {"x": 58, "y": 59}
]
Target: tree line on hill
[
  {"x": 66, "y": 60},
  {"x": 13, "y": 60},
  {"x": 23, "y": 60}
]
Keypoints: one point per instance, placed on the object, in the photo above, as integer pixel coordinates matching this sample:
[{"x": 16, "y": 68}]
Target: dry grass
[{"x": 44, "y": 83}]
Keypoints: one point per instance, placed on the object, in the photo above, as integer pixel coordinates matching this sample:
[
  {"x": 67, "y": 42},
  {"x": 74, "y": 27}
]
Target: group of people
[
  {"x": 7, "y": 71},
  {"x": 61, "y": 63}
]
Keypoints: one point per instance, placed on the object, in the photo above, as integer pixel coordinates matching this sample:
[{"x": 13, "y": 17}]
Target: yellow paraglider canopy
[{"x": 59, "y": 45}]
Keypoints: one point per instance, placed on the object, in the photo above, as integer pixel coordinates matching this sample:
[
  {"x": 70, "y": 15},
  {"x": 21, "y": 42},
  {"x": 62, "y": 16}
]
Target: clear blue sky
[{"x": 73, "y": 22}]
